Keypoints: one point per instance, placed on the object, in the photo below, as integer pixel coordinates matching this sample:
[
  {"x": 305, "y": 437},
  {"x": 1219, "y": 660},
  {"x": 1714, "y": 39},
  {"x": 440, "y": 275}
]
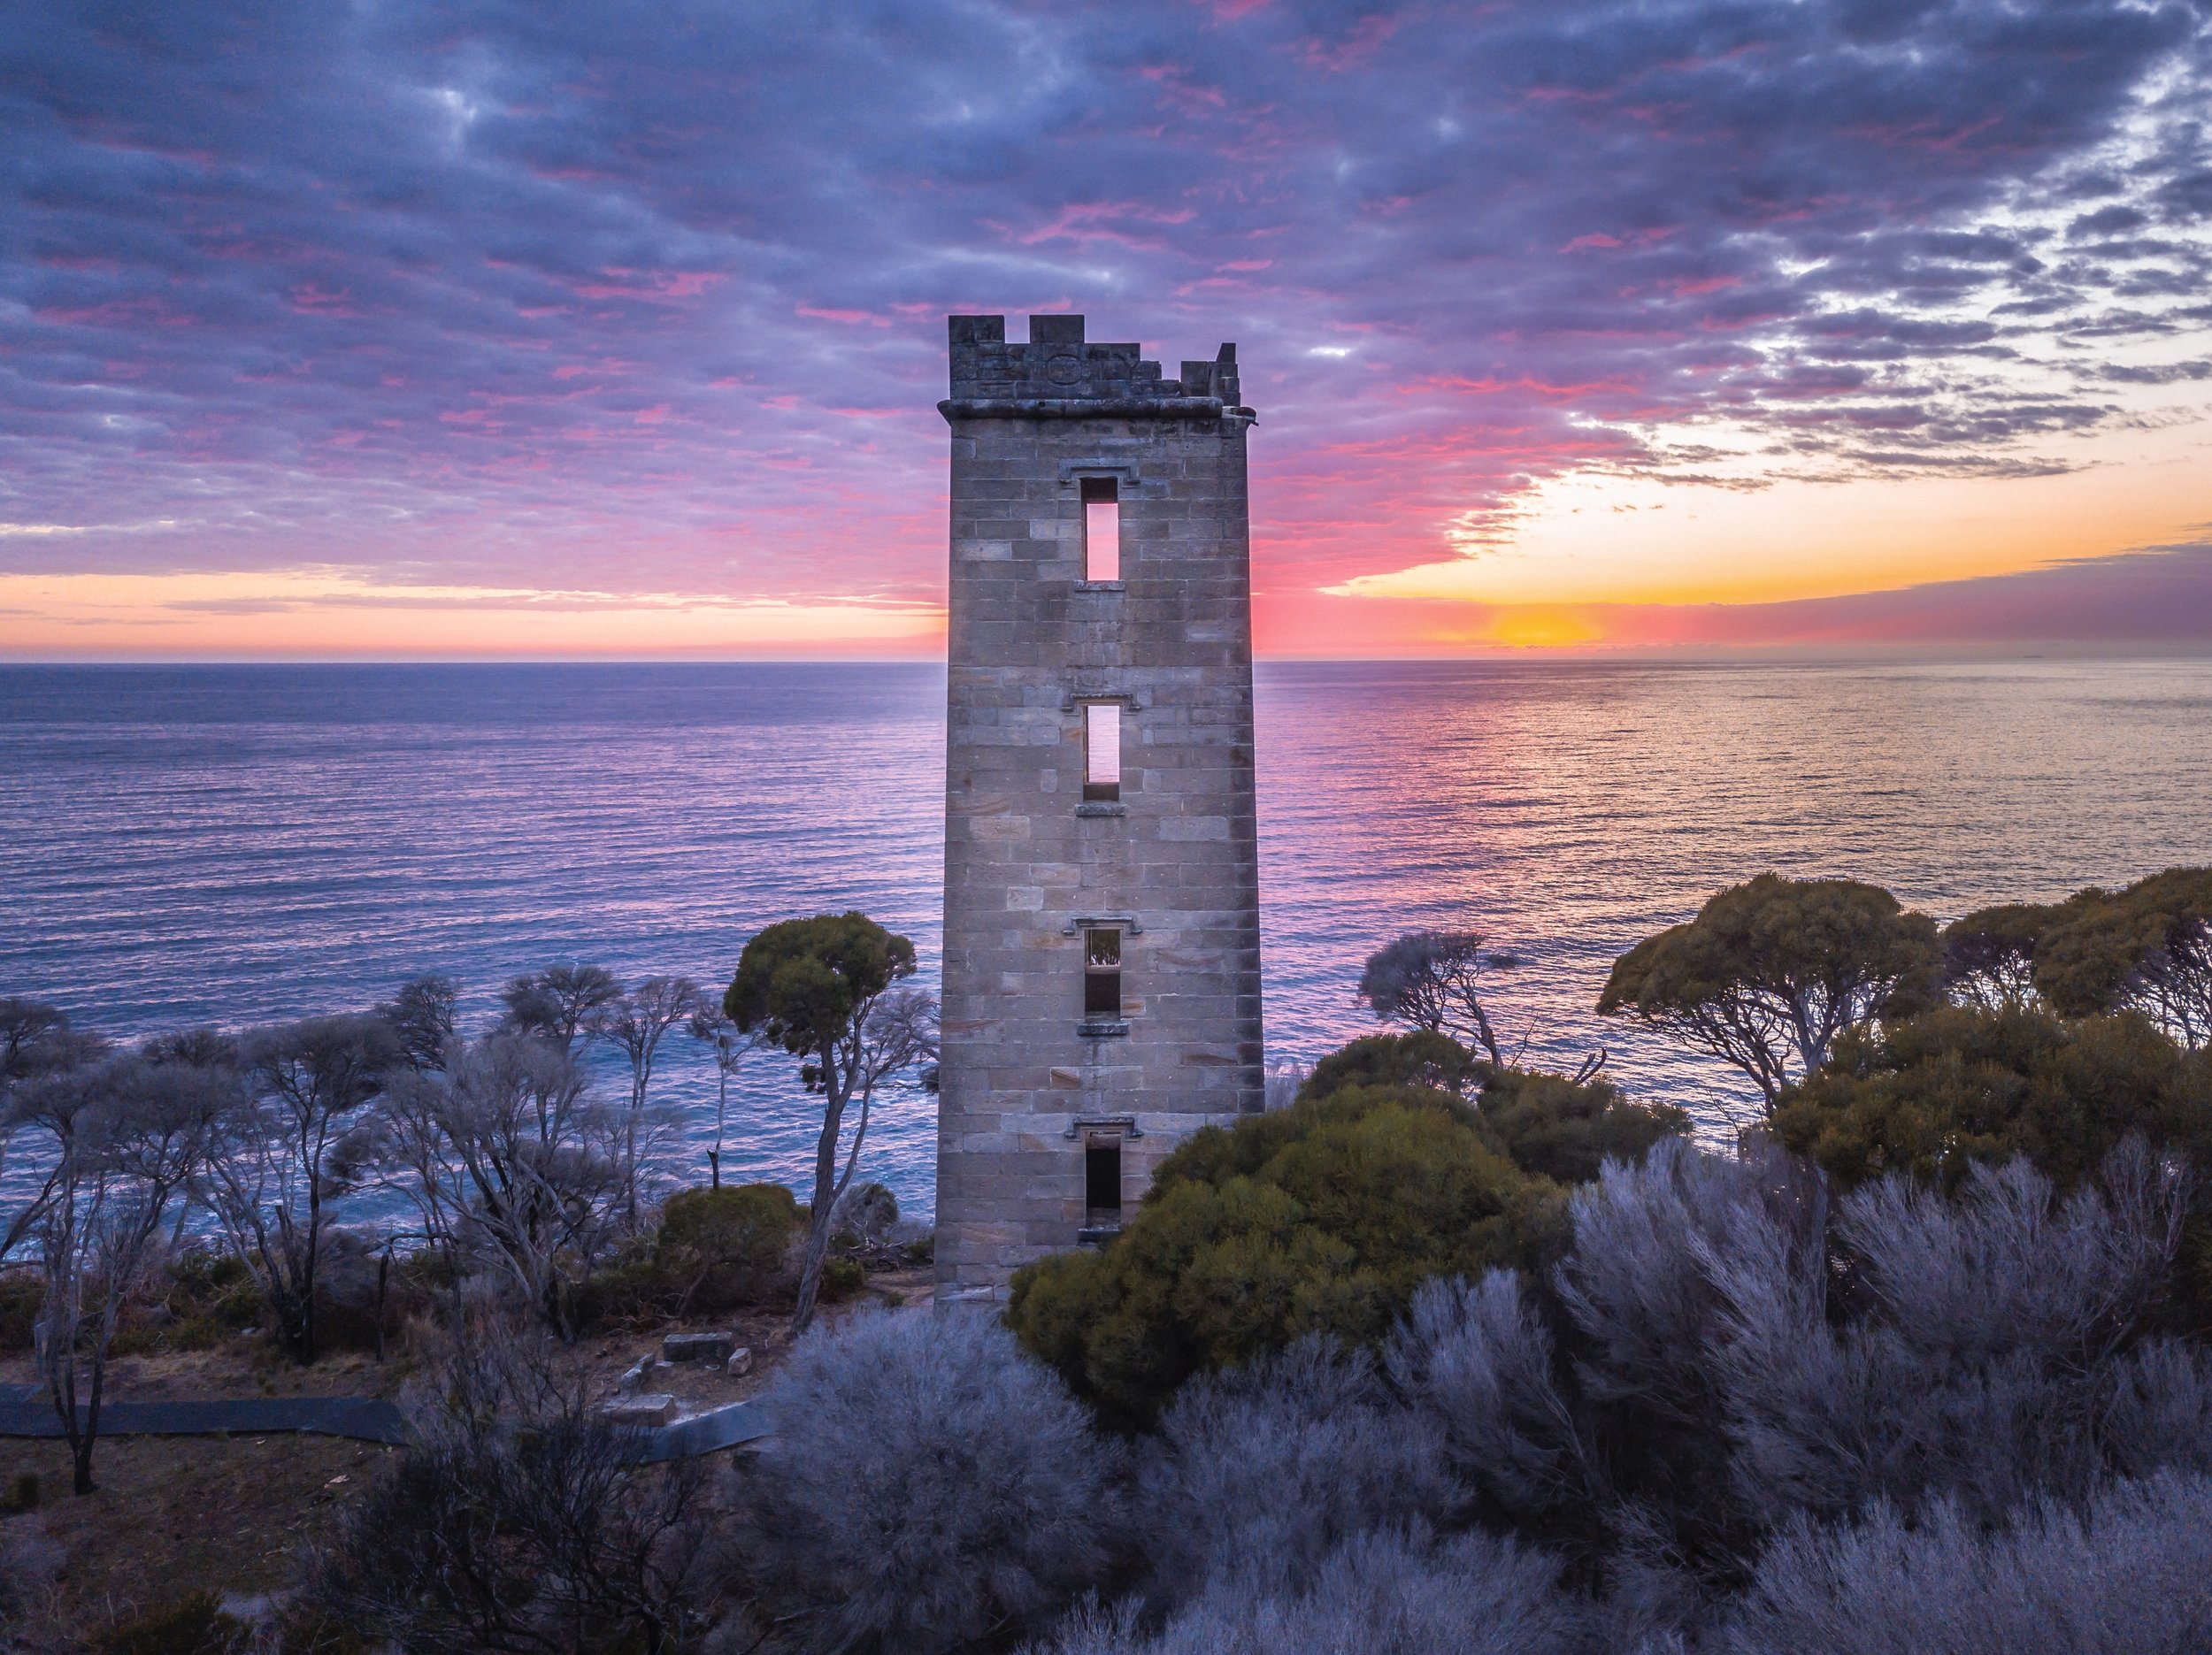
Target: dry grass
[{"x": 178, "y": 1514}]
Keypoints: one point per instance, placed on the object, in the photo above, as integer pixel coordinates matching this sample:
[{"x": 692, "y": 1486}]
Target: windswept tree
[
  {"x": 1771, "y": 971},
  {"x": 36, "y": 1038},
  {"x": 1432, "y": 979},
  {"x": 557, "y": 1004},
  {"x": 510, "y": 1164},
  {"x": 127, "y": 1136},
  {"x": 825, "y": 989},
  {"x": 2147, "y": 949},
  {"x": 712, "y": 1028},
  {"x": 282, "y": 1157},
  {"x": 1989, "y": 955},
  {"x": 635, "y": 1023},
  {"x": 422, "y": 1017}
]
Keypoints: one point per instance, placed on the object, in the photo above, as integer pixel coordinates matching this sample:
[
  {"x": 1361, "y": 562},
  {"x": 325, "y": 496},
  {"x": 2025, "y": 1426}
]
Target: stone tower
[{"x": 1101, "y": 991}]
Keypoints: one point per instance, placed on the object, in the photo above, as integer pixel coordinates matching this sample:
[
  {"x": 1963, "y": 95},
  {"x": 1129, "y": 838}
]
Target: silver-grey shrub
[
  {"x": 1257, "y": 1473},
  {"x": 2131, "y": 1572},
  {"x": 924, "y": 1483},
  {"x": 1379, "y": 1594},
  {"x": 1478, "y": 1360}
]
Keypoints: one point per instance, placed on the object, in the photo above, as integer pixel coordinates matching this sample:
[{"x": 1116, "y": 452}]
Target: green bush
[
  {"x": 718, "y": 1249},
  {"x": 1548, "y": 1125},
  {"x": 1422, "y": 1058},
  {"x": 24, "y": 1495},
  {"x": 1553, "y": 1127},
  {"x": 1323, "y": 1217},
  {"x": 197, "y": 1626},
  {"x": 842, "y": 1279},
  {"x": 1936, "y": 1093}
]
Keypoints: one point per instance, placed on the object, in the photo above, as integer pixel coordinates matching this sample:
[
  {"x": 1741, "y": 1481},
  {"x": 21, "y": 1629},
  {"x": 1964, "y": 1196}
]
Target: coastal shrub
[
  {"x": 719, "y": 1249},
  {"x": 2127, "y": 1571},
  {"x": 1257, "y": 1473},
  {"x": 24, "y": 1494},
  {"x": 515, "y": 1521},
  {"x": 2146, "y": 948},
  {"x": 1553, "y": 1127},
  {"x": 865, "y": 1215},
  {"x": 923, "y": 1484},
  {"x": 1422, "y": 1058},
  {"x": 1470, "y": 1595},
  {"x": 21, "y": 1293},
  {"x": 1476, "y": 1361},
  {"x": 1936, "y": 1093},
  {"x": 1321, "y": 1218}
]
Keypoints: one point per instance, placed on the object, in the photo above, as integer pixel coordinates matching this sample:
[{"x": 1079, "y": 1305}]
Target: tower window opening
[
  {"x": 1101, "y": 1182},
  {"x": 1102, "y": 750},
  {"x": 1101, "y": 972},
  {"x": 1101, "y": 529}
]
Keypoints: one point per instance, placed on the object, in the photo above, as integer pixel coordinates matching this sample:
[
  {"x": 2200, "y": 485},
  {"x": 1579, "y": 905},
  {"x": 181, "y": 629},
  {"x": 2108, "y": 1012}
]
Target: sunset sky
[{"x": 482, "y": 329}]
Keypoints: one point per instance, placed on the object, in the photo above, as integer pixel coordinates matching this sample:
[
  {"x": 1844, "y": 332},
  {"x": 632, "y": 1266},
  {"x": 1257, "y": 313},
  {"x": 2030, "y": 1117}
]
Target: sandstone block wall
[{"x": 1026, "y": 1083}]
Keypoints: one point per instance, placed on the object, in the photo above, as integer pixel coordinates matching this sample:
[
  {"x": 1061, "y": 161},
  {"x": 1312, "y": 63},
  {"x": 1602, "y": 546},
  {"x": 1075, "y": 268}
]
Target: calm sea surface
[{"x": 235, "y": 845}]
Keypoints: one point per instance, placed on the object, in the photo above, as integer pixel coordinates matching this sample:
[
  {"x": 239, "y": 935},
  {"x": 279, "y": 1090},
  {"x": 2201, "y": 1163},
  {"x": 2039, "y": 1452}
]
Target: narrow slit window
[
  {"x": 1101, "y": 1182},
  {"x": 1101, "y": 973},
  {"x": 1102, "y": 750},
  {"x": 1101, "y": 529}
]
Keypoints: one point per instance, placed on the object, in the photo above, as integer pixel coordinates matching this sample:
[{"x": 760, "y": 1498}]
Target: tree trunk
[{"x": 817, "y": 1228}]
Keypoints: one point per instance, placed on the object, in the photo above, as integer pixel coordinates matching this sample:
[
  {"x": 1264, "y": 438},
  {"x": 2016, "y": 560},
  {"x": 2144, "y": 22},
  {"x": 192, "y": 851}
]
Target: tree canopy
[
  {"x": 1934, "y": 1094},
  {"x": 804, "y": 984},
  {"x": 1772, "y": 971},
  {"x": 1321, "y": 1218},
  {"x": 2148, "y": 948}
]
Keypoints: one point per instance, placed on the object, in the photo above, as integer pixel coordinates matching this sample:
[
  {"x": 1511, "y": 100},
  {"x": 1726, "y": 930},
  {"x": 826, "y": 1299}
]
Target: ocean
[{"x": 233, "y": 845}]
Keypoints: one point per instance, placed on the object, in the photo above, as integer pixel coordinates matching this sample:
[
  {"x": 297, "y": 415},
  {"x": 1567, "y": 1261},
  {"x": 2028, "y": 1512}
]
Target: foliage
[
  {"x": 1258, "y": 1474},
  {"x": 1553, "y": 1127},
  {"x": 516, "y": 1520},
  {"x": 865, "y": 1214},
  {"x": 23, "y": 1495},
  {"x": 2148, "y": 948},
  {"x": 1322, "y": 1218},
  {"x": 923, "y": 1484},
  {"x": 1432, "y": 979},
  {"x": 1771, "y": 971},
  {"x": 823, "y": 990},
  {"x": 1422, "y": 1058},
  {"x": 1469, "y": 1595},
  {"x": 1989, "y": 955},
  {"x": 421, "y": 1018},
  {"x": 1549, "y": 1125},
  {"x": 195, "y": 1626},
  {"x": 2126, "y": 1571},
  {"x": 557, "y": 1004},
  {"x": 287, "y": 1153},
  {"x": 1935, "y": 1093},
  {"x": 719, "y": 1249}
]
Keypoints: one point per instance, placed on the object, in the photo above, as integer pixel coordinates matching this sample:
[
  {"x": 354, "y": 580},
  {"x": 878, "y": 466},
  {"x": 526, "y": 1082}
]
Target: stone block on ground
[
  {"x": 740, "y": 1362},
  {"x": 652, "y": 1409},
  {"x": 698, "y": 1347}
]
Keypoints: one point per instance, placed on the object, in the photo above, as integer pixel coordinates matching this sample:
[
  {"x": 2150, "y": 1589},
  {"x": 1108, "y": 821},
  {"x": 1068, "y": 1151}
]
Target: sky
[{"x": 391, "y": 329}]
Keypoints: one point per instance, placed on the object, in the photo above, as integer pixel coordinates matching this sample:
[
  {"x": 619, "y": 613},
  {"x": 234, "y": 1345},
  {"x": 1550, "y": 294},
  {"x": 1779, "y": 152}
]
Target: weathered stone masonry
[{"x": 1052, "y": 1117}]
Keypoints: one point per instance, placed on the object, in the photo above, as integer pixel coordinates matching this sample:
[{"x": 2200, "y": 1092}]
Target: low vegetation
[{"x": 1444, "y": 1355}]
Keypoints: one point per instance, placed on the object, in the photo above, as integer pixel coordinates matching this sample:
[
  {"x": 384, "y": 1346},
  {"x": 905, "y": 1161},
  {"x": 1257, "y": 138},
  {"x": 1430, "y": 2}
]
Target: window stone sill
[
  {"x": 1096, "y": 1235},
  {"x": 1100, "y": 808},
  {"x": 1102, "y": 586},
  {"x": 1102, "y": 1027}
]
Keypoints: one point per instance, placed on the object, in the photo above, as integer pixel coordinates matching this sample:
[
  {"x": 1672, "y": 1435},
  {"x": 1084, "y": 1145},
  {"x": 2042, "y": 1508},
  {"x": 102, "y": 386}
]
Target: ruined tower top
[{"x": 1057, "y": 374}]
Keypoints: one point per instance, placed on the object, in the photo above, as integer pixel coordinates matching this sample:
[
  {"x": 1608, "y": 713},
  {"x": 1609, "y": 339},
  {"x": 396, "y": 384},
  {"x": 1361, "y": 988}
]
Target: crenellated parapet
[{"x": 1058, "y": 374}]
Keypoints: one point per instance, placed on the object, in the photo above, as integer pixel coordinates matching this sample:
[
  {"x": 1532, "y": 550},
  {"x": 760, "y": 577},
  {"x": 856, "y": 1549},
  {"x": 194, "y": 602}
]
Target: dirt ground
[{"x": 172, "y": 1515}]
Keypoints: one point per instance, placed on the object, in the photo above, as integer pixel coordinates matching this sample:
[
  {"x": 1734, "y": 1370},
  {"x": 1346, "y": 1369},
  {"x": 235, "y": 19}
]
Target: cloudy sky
[{"x": 391, "y": 327}]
